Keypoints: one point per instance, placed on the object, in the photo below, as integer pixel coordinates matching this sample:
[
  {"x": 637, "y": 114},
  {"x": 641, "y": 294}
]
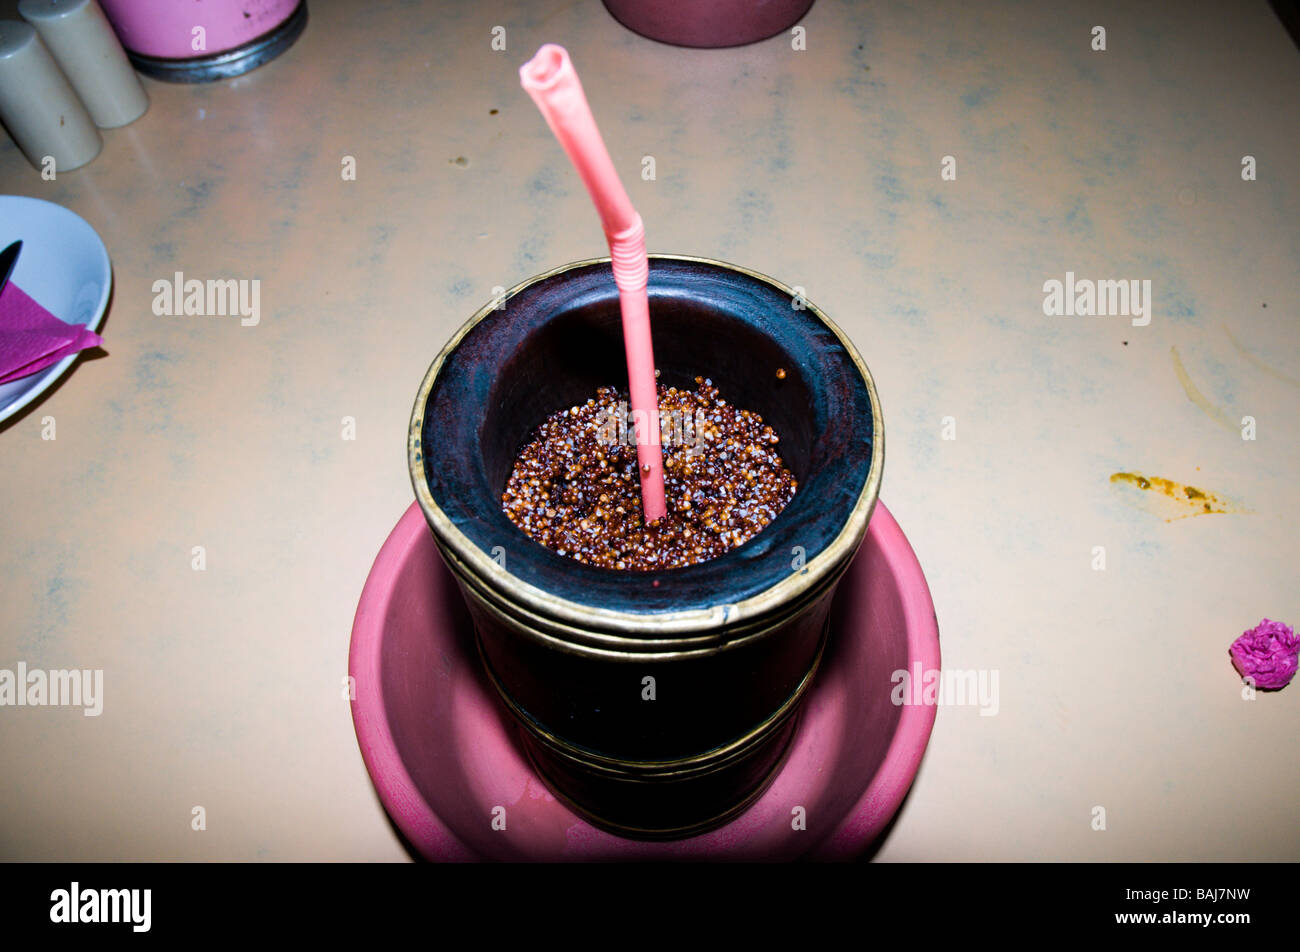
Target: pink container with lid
[
  {"x": 708, "y": 23},
  {"x": 160, "y": 36}
]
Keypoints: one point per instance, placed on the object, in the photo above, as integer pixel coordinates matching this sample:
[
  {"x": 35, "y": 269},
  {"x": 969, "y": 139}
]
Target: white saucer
[{"x": 64, "y": 267}]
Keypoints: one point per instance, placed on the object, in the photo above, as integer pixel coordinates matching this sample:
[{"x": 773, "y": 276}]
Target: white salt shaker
[
  {"x": 39, "y": 106},
  {"x": 83, "y": 43}
]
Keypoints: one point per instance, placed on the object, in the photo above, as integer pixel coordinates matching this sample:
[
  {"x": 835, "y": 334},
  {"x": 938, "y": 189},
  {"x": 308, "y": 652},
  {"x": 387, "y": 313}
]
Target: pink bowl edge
[
  {"x": 399, "y": 794},
  {"x": 885, "y": 794},
  {"x": 426, "y": 833}
]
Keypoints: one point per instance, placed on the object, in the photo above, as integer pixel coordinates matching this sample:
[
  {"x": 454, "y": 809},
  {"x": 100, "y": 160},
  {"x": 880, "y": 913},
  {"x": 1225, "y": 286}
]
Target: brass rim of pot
[
  {"x": 589, "y": 644},
  {"x": 633, "y": 630}
]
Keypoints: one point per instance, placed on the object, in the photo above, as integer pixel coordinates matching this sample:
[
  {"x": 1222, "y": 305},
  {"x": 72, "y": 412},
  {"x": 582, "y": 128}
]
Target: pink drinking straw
[{"x": 549, "y": 77}]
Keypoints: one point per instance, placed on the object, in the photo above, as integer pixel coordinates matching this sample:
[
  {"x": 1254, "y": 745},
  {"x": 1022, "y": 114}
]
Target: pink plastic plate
[{"x": 443, "y": 755}]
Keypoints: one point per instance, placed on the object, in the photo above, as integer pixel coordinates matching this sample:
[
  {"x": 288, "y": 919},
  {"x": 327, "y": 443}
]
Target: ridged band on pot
[
  {"x": 573, "y": 640},
  {"x": 620, "y": 629},
  {"x": 703, "y": 700},
  {"x": 701, "y": 804},
  {"x": 680, "y": 768}
]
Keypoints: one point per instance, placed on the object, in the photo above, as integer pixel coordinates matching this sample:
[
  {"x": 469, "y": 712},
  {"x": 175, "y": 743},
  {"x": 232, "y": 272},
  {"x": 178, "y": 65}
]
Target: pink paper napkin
[{"x": 31, "y": 338}]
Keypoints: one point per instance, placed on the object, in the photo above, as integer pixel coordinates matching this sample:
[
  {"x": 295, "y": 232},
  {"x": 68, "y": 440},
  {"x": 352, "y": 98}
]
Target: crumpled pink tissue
[{"x": 1267, "y": 654}]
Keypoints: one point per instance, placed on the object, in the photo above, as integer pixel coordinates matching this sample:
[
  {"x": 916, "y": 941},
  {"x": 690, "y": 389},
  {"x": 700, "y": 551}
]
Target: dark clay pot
[{"x": 732, "y": 644}]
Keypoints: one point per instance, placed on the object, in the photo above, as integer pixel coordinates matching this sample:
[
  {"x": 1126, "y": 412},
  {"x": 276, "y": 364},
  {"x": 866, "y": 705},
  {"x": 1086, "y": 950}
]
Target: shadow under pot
[{"x": 733, "y": 643}]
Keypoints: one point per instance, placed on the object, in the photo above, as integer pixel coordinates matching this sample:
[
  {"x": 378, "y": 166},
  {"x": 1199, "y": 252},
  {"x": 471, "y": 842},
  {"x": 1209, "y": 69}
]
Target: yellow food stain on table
[{"x": 1172, "y": 499}]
